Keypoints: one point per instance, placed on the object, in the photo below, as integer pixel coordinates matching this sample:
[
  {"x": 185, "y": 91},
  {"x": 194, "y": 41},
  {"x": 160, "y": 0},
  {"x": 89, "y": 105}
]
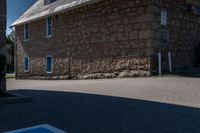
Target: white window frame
[
  {"x": 26, "y": 39},
  {"x": 47, "y": 27},
  {"x": 51, "y": 64},
  {"x": 25, "y": 64}
]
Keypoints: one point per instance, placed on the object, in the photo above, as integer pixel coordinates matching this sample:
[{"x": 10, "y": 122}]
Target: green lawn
[{"x": 10, "y": 76}]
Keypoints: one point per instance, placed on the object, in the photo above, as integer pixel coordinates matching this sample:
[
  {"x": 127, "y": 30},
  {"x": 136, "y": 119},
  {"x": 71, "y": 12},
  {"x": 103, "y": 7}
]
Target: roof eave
[{"x": 53, "y": 13}]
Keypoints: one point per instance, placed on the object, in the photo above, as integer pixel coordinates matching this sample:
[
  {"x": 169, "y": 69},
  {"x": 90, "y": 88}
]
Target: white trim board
[{"x": 46, "y": 126}]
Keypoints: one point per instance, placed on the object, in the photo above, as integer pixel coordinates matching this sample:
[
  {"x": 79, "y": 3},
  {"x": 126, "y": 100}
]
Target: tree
[{"x": 11, "y": 37}]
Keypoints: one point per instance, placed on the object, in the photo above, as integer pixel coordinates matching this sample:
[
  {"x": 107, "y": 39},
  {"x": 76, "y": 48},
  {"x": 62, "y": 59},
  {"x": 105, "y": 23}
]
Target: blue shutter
[
  {"x": 49, "y": 30},
  {"x": 49, "y": 64},
  {"x": 49, "y": 26},
  {"x": 26, "y": 64}
]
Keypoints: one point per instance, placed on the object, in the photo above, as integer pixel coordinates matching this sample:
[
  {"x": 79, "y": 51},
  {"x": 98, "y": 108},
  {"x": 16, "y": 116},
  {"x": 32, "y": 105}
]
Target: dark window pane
[
  {"x": 27, "y": 35},
  {"x": 26, "y": 30},
  {"x": 49, "y": 30},
  {"x": 49, "y": 26},
  {"x": 49, "y": 20},
  {"x": 26, "y": 64},
  {"x": 49, "y": 64},
  {"x": 26, "y": 27}
]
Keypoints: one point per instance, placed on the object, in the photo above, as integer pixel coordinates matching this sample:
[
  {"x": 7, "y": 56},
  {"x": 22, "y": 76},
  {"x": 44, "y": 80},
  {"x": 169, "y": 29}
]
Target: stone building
[{"x": 58, "y": 39}]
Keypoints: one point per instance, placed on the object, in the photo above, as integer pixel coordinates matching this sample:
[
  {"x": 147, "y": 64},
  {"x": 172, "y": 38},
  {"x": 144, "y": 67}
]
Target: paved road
[{"x": 140, "y": 105}]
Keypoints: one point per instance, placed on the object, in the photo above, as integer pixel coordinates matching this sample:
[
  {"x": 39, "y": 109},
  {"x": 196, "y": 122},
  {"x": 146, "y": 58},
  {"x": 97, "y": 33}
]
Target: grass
[{"x": 10, "y": 76}]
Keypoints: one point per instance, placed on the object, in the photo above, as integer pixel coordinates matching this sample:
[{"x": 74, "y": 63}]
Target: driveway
[
  {"x": 139, "y": 105},
  {"x": 175, "y": 90}
]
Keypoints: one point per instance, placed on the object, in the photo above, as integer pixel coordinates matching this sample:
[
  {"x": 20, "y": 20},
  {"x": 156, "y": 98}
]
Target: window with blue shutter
[
  {"x": 26, "y": 64},
  {"x": 49, "y": 64},
  {"x": 26, "y": 31},
  {"x": 49, "y": 27}
]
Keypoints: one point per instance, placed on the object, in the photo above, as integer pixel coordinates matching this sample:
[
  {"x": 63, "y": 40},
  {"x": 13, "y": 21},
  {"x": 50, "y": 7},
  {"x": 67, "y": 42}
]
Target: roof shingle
[{"x": 39, "y": 10}]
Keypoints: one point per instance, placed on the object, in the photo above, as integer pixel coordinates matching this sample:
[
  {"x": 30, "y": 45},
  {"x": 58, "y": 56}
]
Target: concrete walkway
[
  {"x": 140, "y": 105},
  {"x": 175, "y": 90}
]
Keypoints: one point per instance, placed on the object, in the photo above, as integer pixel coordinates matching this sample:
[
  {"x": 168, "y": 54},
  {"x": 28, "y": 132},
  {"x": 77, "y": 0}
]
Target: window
[
  {"x": 49, "y": 64},
  {"x": 26, "y": 32},
  {"x": 26, "y": 64},
  {"x": 49, "y": 27},
  {"x": 163, "y": 18}
]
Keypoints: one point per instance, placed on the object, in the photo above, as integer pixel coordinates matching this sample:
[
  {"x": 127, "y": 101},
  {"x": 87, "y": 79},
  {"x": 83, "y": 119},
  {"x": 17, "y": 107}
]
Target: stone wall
[
  {"x": 111, "y": 38},
  {"x": 183, "y": 34}
]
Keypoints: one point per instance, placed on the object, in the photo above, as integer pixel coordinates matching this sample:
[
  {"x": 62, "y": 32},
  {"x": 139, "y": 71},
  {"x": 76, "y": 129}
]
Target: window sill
[
  {"x": 50, "y": 36},
  {"x": 26, "y": 40},
  {"x": 49, "y": 72},
  {"x": 26, "y": 71}
]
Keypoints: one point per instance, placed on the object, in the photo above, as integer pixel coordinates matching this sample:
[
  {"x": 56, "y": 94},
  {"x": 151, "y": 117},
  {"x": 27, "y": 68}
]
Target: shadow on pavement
[
  {"x": 88, "y": 113},
  {"x": 186, "y": 72}
]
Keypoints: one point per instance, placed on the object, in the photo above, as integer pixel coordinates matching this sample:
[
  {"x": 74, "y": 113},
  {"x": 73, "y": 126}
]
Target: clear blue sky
[{"x": 15, "y": 9}]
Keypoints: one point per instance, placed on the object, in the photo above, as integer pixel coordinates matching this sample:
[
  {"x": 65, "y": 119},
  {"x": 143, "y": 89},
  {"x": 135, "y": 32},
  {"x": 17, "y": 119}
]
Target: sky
[{"x": 15, "y": 9}]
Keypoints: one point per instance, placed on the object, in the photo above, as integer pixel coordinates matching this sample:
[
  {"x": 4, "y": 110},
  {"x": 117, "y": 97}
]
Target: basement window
[
  {"x": 26, "y": 32},
  {"x": 49, "y": 27},
  {"x": 26, "y": 64},
  {"x": 49, "y": 62}
]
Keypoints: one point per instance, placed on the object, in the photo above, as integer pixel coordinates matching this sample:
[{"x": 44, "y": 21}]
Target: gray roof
[{"x": 40, "y": 10}]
